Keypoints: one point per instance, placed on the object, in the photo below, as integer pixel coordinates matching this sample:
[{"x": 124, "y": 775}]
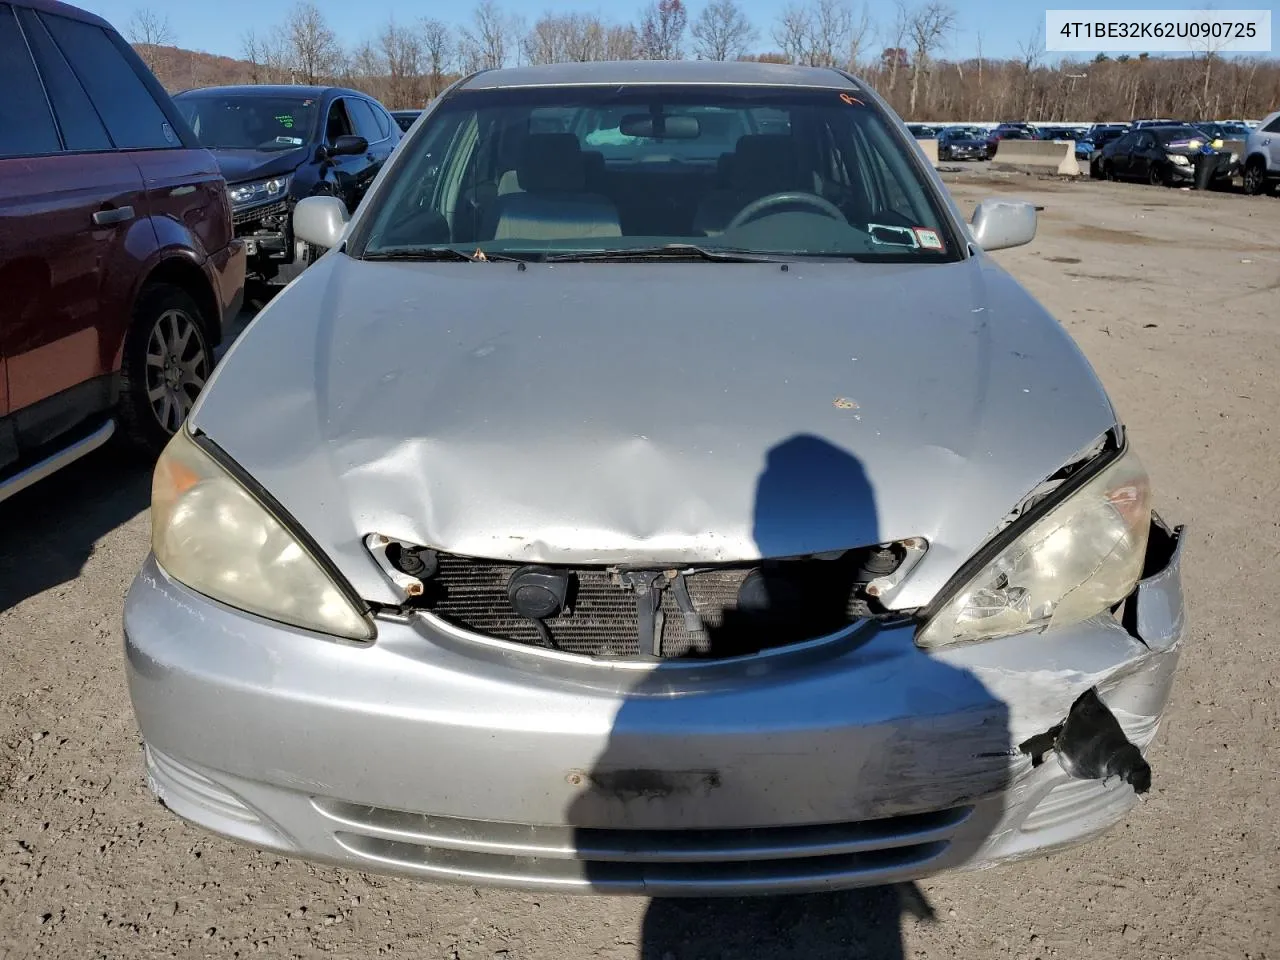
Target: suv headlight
[
  {"x": 210, "y": 533},
  {"x": 1179, "y": 160},
  {"x": 1082, "y": 557},
  {"x": 261, "y": 191}
]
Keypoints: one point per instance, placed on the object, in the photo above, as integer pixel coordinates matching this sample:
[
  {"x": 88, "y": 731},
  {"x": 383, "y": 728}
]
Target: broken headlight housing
[
  {"x": 211, "y": 533},
  {"x": 1075, "y": 560}
]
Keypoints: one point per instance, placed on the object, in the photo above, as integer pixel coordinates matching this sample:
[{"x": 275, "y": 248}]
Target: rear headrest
[
  {"x": 552, "y": 162},
  {"x": 764, "y": 161}
]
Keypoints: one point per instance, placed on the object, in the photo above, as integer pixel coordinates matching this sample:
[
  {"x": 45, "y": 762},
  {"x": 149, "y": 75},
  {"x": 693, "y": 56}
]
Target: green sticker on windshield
[{"x": 285, "y": 120}]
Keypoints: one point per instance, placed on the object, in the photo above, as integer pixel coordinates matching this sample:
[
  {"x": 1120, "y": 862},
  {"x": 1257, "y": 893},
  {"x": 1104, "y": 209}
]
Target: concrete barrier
[
  {"x": 1039, "y": 156},
  {"x": 930, "y": 148}
]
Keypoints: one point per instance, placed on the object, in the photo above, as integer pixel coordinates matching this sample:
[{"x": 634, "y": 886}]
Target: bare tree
[
  {"x": 365, "y": 68},
  {"x": 148, "y": 31},
  {"x": 832, "y": 32},
  {"x": 822, "y": 33},
  {"x": 401, "y": 56},
  {"x": 253, "y": 51},
  {"x": 312, "y": 47},
  {"x": 897, "y": 37},
  {"x": 791, "y": 32},
  {"x": 722, "y": 31},
  {"x": 437, "y": 53},
  {"x": 622, "y": 43},
  {"x": 490, "y": 40},
  {"x": 566, "y": 38},
  {"x": 662, "y": 26},
  {"x": 928, "y": 27},
  {"x": 861, "y": 29}
]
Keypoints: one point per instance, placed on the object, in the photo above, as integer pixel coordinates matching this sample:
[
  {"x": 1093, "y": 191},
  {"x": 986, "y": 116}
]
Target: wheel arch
[{"x": 182, "y": 271}]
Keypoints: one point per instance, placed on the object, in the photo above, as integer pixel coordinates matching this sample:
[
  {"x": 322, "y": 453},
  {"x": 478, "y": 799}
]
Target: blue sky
[{"x": 217, "y": 27}]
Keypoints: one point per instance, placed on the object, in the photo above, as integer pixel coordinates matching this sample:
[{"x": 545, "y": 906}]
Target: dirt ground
[{"x": 1174, "y": 296}]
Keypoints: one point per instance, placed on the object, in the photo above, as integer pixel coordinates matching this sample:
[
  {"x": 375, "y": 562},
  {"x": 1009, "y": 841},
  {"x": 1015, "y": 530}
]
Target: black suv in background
[{"x": 278, "y": 144}]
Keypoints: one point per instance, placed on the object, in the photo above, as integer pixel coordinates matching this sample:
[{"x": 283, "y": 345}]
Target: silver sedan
[{"x": 656, "y": 488}]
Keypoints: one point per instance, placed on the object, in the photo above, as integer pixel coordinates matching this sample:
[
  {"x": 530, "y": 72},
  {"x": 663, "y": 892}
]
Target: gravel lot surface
[{"x": 1174, "y": 296}]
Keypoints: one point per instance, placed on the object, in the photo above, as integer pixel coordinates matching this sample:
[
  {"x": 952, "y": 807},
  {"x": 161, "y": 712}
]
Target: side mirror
[
  {"x": 320, "y": 221},
  {"x": 998, "y": 224},
  {"x": 347, "y": 145}
]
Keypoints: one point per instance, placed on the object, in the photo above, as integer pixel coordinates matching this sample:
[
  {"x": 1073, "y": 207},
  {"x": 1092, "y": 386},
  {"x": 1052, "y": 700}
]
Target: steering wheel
[{"x": 756, "y": 208}]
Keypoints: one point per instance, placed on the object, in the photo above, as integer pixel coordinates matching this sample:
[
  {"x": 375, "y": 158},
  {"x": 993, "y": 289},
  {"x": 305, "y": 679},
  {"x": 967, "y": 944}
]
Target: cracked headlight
[
  {"x": 209, "y": 532},
  {"x": 244, "y": 194},
  {"x": 1082, "y": 557}
]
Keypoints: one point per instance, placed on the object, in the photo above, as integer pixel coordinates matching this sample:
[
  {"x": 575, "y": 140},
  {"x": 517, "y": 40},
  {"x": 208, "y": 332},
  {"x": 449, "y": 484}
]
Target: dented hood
[{"x": 601, "y": 413}]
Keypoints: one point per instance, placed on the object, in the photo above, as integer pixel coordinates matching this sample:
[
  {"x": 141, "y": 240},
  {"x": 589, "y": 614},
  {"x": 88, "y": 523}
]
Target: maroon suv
[{"x": 118, "y": 266}]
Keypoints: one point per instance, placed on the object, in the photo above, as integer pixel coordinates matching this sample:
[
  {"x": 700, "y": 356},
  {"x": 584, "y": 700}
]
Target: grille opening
[{"x": 740, "y": 609}]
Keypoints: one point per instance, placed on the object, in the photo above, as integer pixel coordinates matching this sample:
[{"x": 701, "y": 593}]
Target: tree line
[{"x": 408, "y": 64}]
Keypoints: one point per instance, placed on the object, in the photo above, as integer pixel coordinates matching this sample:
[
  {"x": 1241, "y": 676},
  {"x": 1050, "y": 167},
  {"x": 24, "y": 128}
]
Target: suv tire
[
  {"x": 167, "y": 360},
  {"x": 1255, "y": 176}
]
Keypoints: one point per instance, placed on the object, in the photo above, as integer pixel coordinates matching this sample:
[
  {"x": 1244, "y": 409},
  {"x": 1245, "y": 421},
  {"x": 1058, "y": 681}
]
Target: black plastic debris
[{"x": 1091, "y": 745}]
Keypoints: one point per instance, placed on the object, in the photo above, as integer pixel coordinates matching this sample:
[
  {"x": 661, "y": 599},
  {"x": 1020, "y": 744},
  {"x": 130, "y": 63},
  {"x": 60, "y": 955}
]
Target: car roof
[
  {"x": 271, "y": 90},
  {"x": 746, "y": 73},
  {"x": 64, "y": 10}
]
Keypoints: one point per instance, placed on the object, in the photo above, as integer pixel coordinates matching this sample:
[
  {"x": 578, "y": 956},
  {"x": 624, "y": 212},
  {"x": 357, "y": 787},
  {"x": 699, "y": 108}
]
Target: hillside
[{"x": 180, "y": 69}]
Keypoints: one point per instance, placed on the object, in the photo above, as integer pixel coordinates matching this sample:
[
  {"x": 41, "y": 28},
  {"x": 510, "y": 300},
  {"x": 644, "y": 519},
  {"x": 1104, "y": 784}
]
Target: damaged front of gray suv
[{"x": 638, "y": 499}]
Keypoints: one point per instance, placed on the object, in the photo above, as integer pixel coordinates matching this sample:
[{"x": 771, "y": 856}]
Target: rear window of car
[
  {"x": 26, "y": 125},
  {"x": 133, "y": 118}
]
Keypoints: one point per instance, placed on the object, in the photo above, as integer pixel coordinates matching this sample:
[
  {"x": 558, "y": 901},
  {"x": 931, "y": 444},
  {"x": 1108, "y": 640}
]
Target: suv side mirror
[
  {"x": 347, "y": 145},
  {"x": 998, "y": 224},
  {"x": 320, "y": 221}
]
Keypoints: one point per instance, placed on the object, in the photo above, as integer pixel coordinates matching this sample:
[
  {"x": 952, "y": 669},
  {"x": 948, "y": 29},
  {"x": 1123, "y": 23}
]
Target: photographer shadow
[{"x": 669, "y": 765}]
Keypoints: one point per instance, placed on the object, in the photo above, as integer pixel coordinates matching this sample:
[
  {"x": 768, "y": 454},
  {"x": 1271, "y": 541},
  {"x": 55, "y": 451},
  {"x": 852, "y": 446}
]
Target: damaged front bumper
[{"x": 857, "y": 760}]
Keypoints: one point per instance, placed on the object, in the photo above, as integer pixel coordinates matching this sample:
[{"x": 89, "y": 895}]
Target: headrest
[
  {"x": 552, "y": 163},
  {"x": 764, "y": 161}
]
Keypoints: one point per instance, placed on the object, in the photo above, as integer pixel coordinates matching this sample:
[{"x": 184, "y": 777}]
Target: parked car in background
[
  {"x": 1059, "y": 133},
  {"x": 1153, "y": 122},
  {"x": 1007, "y": 132},
  {"x": 1015, "y": 131},
  {"x": 1161, "y": 155},
  {"x": 278, "y": 144},
  {"x": 1224, "y": 130},
  {"x": 1098, "y": 137},
  {"x": 1260, "y": 165},
  {"x": 555, "y": 539},
  {"x": 405, "y": 118},
  {"x": 923, "y": 131},
  {"x": 963, "y": 143},
  {"x": 117, "y": 261}
]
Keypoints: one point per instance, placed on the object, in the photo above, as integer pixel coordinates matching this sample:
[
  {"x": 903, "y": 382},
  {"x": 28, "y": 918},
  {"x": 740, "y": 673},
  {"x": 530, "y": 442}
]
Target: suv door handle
[{"x": 109, "y": 218}]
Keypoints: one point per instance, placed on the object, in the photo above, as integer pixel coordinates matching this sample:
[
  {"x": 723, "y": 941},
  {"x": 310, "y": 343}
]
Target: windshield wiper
[
  {"x": 427, "y": 254},
  {"x": 667, "y": 251}
]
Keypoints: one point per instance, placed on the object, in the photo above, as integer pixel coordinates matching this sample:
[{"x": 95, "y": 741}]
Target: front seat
[
  {"x": 762, "y": 163},
  {"x": 554, "y": 203}
]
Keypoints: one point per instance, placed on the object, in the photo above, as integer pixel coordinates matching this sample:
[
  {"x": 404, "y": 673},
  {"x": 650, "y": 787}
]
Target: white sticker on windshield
[
  {"x": 929, "y": 239},
  {"x": 294, "y": 141},
  {"x": 894, "y": 236}
]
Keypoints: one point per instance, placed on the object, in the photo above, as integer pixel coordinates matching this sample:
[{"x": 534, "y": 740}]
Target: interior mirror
[
  {"x": 661, "y": 127},
  {"x": 998, "y": 224},
  {"x": 320, "y": 221},
  {"x": 347, "y": 146}
]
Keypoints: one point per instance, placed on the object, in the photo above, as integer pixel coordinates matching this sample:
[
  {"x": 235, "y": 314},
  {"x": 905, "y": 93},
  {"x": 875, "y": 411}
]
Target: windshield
[
  {"x": 540, "y": 172},
  {"x": 237, "y": 122}
]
